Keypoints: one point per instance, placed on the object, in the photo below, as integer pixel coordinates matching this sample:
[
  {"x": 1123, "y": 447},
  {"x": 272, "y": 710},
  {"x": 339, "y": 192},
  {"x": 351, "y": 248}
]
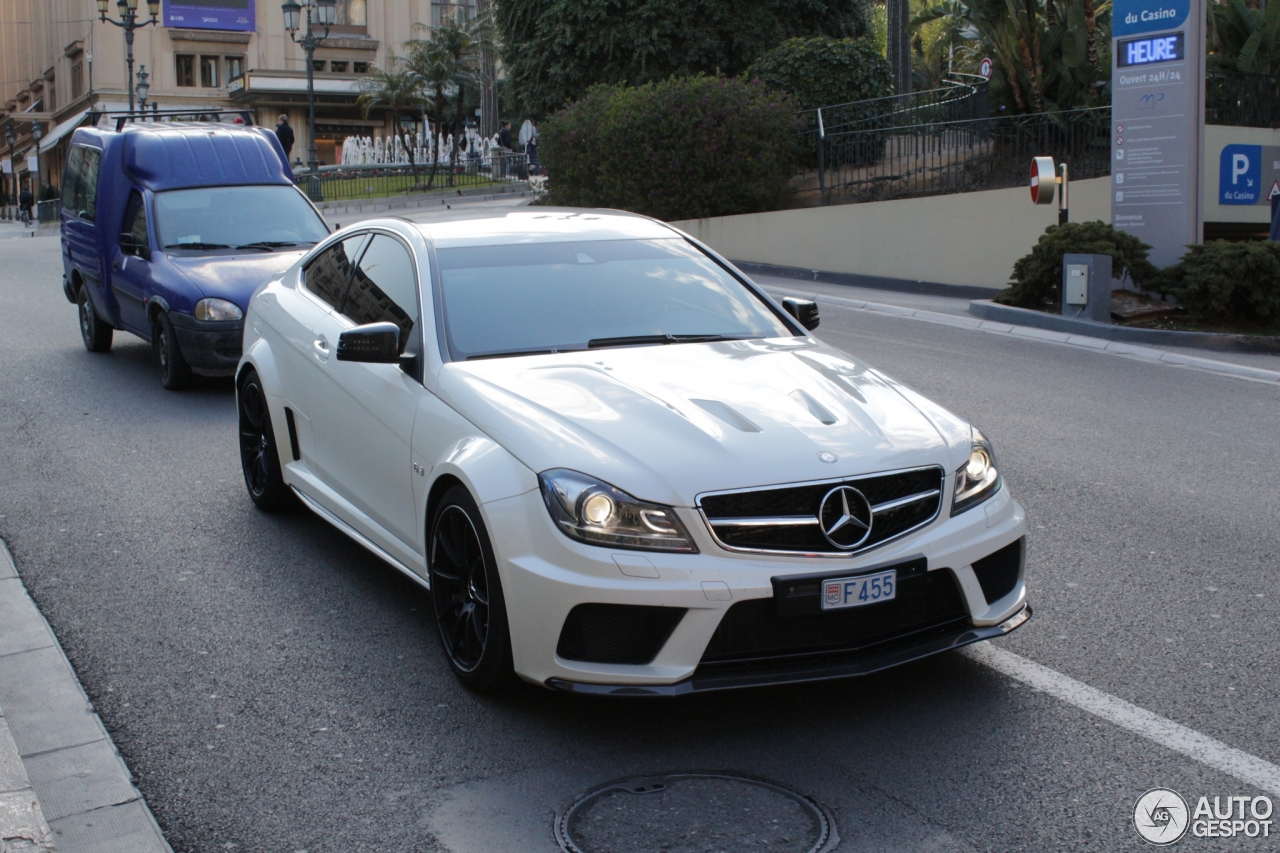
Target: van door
[
  {"x": 79, "y": 227},
  {"x": 131, "y": 280}
]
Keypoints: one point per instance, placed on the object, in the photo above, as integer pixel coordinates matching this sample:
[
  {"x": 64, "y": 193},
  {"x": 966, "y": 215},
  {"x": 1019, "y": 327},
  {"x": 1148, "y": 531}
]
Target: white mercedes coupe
[{"x": 619, "y": 465}]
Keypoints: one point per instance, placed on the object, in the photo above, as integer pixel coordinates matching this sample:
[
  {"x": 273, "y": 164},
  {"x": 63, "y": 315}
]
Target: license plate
[{"x": 839, "y": 593}]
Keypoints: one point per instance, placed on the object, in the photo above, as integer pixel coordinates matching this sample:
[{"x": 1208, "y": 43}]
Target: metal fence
[
  {"x": 374, "y": 181},
  {"x": 875, "y": 161},
  {"x": 1242, "y": 100}
]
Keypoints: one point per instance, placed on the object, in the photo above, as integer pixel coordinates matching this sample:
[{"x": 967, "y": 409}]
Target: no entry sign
[{"x": 1043, "y": 180}]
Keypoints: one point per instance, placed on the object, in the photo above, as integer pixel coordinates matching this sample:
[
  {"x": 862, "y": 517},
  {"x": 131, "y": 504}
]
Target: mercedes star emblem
[{"x": 845, "y": 517}]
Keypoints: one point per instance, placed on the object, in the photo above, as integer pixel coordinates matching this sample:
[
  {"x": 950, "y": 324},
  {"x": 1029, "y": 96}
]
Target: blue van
[{"x": 169, "y": 227}]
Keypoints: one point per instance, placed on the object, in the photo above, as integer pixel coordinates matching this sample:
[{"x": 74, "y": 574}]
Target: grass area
[
  {"x": 1180, "y": 322},
  {"x": 383, "y": 186}
]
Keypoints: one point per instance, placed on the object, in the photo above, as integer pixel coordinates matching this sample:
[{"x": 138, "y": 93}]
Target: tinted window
[
  {"x": 544, "y": 296},
  {"x": 135, "y": 219},
  {"x": 383, "y": 287},
  {"x": 87, "y": 186},
  {"x": 328, "y": 274},
  {"x": 71, "y": 177},
  {"x": 220, "y": 218}
]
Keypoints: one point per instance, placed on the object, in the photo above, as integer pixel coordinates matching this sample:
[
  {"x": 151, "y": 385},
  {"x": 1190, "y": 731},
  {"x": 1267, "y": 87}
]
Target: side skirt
[{"x": 362, "y": 539}]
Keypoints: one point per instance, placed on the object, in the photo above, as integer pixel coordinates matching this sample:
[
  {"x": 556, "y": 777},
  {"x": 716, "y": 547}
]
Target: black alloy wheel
[
  {"x": 94, "y": 331},
  {"x": 467, "y": 595},
  {"x": 175, "y": 373},
  {"x": 259, "y": 458}
]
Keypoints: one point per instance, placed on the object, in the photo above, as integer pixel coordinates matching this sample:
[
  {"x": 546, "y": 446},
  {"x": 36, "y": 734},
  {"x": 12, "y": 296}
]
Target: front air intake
[
  {"x": 617, "y": 633},
  {"x": 998, "y": 573}
]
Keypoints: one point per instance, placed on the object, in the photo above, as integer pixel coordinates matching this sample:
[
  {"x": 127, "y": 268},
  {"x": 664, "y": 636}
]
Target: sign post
[{"x": 1157, "y": 123}]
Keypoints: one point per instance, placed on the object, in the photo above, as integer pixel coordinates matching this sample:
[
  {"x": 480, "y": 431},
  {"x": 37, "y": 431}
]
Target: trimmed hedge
[
  {"x": 1223, "y": 280},
  {"x": 1038, "y": 276},
  {"x": 685, "y": 148},
  {"x": 822, "y": 72}
]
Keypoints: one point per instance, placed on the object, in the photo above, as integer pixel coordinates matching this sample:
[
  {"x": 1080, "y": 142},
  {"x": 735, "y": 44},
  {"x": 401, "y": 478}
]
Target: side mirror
[
  {"x": 131, "y": 245},
  {"x": 372, "y": 343},
  {"x": 804, "y": 310}
]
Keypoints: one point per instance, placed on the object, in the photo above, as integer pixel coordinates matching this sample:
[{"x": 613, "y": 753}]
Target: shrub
[
  {"x": 821, "y": 72},
  {"x": 1222, "y": 280},
  {"x": 1038, "y": 276},
  {"x": 681, "y": 149}
]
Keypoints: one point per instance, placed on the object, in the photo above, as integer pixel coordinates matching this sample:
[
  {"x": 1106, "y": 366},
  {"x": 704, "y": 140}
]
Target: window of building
[
  {"x": 360, "y": 67},
  {"x": 317, "y": 64},
  {"x": 338, "y": 67},
  {"x": 51, "y": 97},
  {"x": 351, "y": 13},
  {"x": 440, "y": 9},
  {"x": 209, "y": 72},
  {"x": 77, "y": 80},
  {"x": 235, "y": 67},
  {"x": 185, "y": 66}
]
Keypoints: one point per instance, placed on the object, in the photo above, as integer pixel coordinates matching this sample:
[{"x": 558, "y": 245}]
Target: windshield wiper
[
  {"x": 197, "y": 246},
  {"x": 267, "y": 244},
  {"x": 637, "y": 340},
  {"x": 512, "y": 353}
]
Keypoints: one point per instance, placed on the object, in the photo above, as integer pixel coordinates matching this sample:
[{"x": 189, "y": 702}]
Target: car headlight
[
  {"x": 978, "y": 479},
  {"x": 597, "y": 513},
  {"x": 217, "y": 309}
]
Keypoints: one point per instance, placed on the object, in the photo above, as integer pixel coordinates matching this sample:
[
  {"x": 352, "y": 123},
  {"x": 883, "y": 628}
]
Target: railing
[
  {"x": 374, "y": 181},
  {"x": 883, "y": 159},
  {"x": 1236, "y": 99}
]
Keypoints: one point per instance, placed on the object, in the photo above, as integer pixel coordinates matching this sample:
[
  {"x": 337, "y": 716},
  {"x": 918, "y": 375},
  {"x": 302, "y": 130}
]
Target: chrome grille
[{"x": 784, "y": 519}]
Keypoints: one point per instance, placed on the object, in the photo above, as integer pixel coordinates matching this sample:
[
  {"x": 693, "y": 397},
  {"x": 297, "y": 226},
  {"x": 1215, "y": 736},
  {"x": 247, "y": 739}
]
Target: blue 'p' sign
[{"x": 1240, "y": 174}]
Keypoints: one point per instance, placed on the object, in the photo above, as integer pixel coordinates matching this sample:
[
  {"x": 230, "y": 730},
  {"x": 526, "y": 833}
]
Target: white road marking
[{"x": 1212, "y": 753}]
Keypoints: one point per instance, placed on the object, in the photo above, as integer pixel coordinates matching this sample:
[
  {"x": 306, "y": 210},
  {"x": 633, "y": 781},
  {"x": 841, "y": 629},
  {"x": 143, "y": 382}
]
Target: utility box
[{"x": 1086, "y": 287}]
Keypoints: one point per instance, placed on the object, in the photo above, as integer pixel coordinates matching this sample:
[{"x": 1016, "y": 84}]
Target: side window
[
  {"x": 384, "y": 288},
  {"x": 135, "y": 219},
  {"x": 71, "y": 177},
  {"x": 327, "y": 275},
  {"x": 87, "y": 193}
]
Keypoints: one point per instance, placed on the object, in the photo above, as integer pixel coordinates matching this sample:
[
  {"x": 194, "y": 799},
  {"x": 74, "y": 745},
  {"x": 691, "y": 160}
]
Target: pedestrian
[
  {"x": 285, "y": 134},
  {"x": 504, "y": 137},
  {"x": 25, "y": 201}
]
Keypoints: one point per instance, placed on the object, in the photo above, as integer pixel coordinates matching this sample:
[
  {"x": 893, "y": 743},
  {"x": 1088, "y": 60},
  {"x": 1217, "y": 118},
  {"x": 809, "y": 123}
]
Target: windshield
[
  {"x": 250, "y": 217},
  {"x": 509, "y": 300}
]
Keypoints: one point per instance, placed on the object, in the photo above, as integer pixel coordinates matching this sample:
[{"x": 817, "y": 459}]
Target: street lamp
[
  {"x": 13, "y": 167},
  {"x": 37, "y": 133},
  {"x": 324, "y": 13},
  {"x": 128, "y": 11},
  {"x": 143, "y": 87}
]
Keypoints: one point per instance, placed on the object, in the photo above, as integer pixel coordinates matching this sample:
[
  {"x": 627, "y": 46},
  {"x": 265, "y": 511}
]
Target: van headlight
[
  {"x": 218, "y": 309},
  {"x": 979, "y": 478},
  {"x": 597, "y": 513}
]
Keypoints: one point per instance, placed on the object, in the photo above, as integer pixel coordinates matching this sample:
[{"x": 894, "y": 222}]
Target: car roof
[
  {"x": 545, "y": 225},
  {"x": 174, "y": 155}
]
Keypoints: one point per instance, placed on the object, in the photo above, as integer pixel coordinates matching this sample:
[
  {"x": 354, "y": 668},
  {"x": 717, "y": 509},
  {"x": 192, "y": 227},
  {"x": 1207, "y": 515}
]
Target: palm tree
[
  {"x": 396, "y": 88},
  {"x": 446, "y": 62}
]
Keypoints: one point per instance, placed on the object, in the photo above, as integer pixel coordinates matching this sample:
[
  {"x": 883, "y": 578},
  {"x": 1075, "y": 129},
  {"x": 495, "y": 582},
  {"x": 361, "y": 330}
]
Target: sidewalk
[{"x": 63, "y": 785}]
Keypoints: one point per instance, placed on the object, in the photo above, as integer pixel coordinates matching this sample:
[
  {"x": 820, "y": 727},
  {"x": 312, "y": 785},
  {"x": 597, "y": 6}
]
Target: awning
[{"x": 62, "y": 130}]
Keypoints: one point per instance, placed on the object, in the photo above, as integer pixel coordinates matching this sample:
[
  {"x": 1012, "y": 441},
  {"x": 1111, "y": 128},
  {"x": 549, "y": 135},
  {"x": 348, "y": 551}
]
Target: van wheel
[
  {"x": 175, "y": 373},
  {"x": 94, "y": 331}
]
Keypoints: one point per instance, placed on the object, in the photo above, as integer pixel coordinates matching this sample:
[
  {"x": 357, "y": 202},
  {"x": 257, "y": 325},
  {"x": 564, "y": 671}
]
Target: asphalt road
[{"x": 276, "y": 688}]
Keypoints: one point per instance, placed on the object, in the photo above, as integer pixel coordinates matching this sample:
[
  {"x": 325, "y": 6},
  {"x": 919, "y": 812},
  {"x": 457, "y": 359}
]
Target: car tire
[
  {"x": 175, "y": 373},
  {"x": 259, "y": 458},
  {"x": 467, "y": 597},
  {"x": 94, "y": 331}
]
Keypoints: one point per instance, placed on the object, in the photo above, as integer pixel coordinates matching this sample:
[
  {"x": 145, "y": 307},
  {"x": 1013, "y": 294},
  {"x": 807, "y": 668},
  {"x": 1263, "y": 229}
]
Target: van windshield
[{"x": 261, "y": 218}]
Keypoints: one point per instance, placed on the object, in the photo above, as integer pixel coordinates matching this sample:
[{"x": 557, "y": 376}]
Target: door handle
[{"x": 320, "y": 346}]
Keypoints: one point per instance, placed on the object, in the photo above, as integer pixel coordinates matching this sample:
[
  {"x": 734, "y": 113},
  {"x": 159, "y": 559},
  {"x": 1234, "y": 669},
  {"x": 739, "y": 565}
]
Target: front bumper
[
  {"x": 211, "y": 348},
  {"x": 545, "y": 576}
]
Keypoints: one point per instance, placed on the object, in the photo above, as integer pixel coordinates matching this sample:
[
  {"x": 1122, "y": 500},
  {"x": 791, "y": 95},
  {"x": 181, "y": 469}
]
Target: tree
[
  {"x": 396, "y": 88},
  {"x": 555, "y": 50},
  {"x": 447, "y": 61}
]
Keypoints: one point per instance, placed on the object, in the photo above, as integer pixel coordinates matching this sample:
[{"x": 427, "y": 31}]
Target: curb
[
  {"x": 1094, "y": 344},
  {"x": 988, "y": 310},
  {"x": 77, "y": 783}
]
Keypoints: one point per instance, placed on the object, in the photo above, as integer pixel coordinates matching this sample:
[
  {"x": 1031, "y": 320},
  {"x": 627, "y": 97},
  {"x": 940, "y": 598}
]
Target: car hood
[
  {"x": 235, "y": 277},
  {"x": 667, "y": 423}
]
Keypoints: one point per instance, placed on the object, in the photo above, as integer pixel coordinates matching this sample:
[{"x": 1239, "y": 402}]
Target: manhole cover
[{"x": 694, "y": 813}]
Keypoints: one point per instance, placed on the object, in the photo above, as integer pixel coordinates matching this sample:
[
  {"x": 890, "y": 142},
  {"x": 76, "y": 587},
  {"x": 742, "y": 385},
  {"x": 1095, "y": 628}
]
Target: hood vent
[
  {"x": 725, "y": 413},
  {"x": 813, "y": 407}
]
